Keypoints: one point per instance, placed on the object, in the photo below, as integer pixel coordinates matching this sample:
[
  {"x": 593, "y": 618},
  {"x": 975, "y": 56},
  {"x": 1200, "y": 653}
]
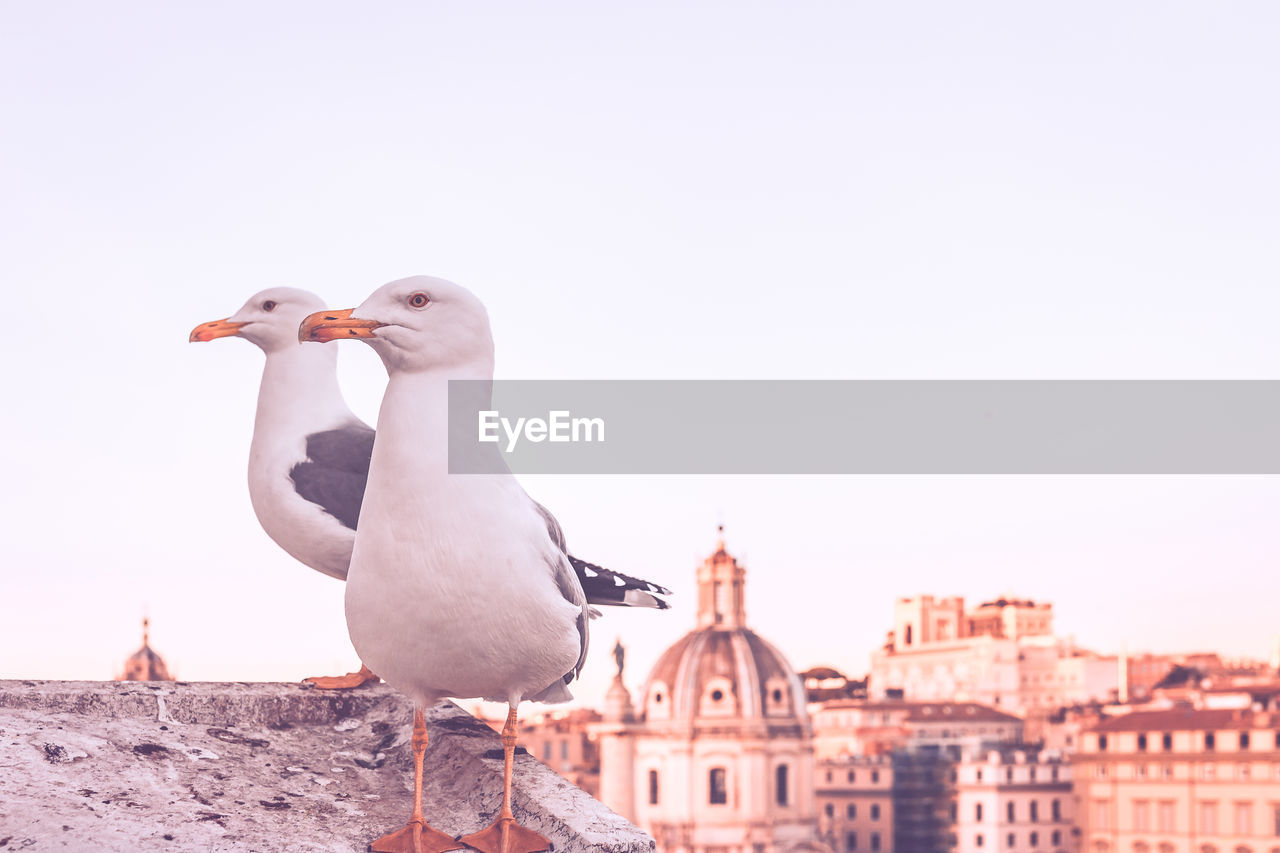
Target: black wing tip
[{"x": 580, "y": 565}]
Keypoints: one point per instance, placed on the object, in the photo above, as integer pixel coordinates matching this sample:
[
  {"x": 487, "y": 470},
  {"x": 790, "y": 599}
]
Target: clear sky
[{"x": 706, "y": 190}]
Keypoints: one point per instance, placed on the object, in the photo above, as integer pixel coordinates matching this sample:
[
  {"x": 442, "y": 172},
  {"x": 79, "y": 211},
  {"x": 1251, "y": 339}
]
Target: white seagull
[
  {"x": 482, "y": 601},
  {"x": 309, "y": 457}
]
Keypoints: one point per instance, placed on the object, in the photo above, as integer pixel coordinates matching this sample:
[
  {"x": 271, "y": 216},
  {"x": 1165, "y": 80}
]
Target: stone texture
[{"x": 142, "y": 766}]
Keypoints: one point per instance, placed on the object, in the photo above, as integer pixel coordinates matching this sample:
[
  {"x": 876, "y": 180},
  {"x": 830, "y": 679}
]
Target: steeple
[{"x": 721, "y": 589}]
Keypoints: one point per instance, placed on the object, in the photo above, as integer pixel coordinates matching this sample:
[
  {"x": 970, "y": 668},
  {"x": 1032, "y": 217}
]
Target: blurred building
[
  {"x": 565, "y": 742},
  {"x": 1182, "y": 779},
  {"x": 145, "y": 664},
  {"x": 861, "y": 727},
  {"x": 855, "y": 803},
  {"x": 719, "y": 757},
  {"x": 1013, "y": 800},
  {"x": 1001, "y": 653}
]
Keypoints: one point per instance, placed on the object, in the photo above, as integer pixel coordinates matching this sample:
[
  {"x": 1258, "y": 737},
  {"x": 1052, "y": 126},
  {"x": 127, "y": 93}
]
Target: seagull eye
[
  {"x": 418, "y": 300},
  {"x": 269, "y": 305}
]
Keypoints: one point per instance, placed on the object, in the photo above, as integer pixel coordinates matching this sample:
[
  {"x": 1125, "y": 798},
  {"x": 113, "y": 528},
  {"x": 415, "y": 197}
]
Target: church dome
[
  {"x": 722, "y": 668},
  {"x": 145, "y": 664}
]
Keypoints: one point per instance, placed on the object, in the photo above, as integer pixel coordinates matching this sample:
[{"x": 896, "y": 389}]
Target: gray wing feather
[
  {"x": 336, "y": 470},
  {"x": 567, "y": 582}
]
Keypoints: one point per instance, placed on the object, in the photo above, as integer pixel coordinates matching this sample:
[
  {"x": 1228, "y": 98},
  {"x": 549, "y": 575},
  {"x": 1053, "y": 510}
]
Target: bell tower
[{"x": 721, "y": 590}]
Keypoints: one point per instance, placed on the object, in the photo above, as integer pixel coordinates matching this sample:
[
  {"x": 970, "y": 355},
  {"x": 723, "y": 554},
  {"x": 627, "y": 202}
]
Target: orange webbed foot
[
  {"x": 415, "y": 837},
  {"x": 344, "y": 682},
  {"x": 507, "y": 836}
]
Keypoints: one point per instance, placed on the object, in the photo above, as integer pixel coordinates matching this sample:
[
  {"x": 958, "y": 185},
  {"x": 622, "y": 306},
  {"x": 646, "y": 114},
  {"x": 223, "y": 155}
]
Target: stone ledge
[{"x": 141, "y": 766}]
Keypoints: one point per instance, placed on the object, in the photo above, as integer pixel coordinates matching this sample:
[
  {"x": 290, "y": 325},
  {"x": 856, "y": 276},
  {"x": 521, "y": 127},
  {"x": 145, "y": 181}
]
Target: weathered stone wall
[{"x": 107, "y": 766}]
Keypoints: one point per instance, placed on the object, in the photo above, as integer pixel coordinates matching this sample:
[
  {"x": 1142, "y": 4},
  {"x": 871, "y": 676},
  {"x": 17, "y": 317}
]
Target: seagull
[
  {"x": 309, "y": 457},
  {"x": 481, "y": 603}
]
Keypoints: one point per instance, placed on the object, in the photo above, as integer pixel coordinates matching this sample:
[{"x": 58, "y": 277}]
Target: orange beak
[
  {"x": 216, "y": 329},
  {"x": 325, "y": 326}
]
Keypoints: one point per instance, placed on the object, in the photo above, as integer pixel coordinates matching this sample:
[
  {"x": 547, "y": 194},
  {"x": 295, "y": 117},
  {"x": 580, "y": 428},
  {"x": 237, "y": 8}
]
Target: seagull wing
[
  {"x": 604, "y": 586},
  {"x": 334, "y": 474}
]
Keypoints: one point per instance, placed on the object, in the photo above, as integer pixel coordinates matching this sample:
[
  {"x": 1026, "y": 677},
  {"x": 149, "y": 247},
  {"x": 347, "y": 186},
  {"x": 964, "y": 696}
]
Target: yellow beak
[
  {"x": 325, "y": 326},
  {"x": 216, "y": 329}
]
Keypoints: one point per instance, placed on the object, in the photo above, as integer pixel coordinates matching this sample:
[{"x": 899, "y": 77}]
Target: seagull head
[
  {"x": 413, "y": 324},
  {"x": 269, "y": 319}
]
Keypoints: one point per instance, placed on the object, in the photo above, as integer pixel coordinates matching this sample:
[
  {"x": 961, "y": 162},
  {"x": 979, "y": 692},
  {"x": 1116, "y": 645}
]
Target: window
[
  {"x": 851, "y": 841},
  {"x": 653, "y": 787},
  {"x": 1057, "y": 837},
  {"x": 828, "y": 775},
  {"x": 564, "y": 749},
  {"x": 1142, "y": 743},
  {"x": 1141, "y": 815},
  {"x": 1166, "y": 814},
  {"x": 1166, "y": 742},
  {"x": 1035, "y": 811},
  {"x": 1009, "y": 810},
  {"x": 875, "y": 841},
  {"x": 1140, "y": 770},
  {"x": 1275, "y": 821},
  {"x": 1035, "y": 839},
  {"x": 829, "y": 810},
  {"x": 853, "y": 777},
  {"x": 979, "y": 778},
  {"x": 1244, "y": 740},
  {"x": 977, "y": 840},
  {"x": 1210, "y": 739},
  {"x": 1209, "y": 771},
  {"x": 1208, "y": 818},
  {"x": 1166, "y": 771},
  {"x": 1056, "y": 808},
  {"x": 977, "y": 812},
  {"x": 907, "y": 637},
  {"x": 851, "y": 811},
  {"x": 1244, "y": 818},
  {"x": 875, "y": 811},
  {"x": 780, "y": 784},
  {"x": 1101, "y": 813},
  {"x": 718, "y": 786},
  {"x": 1012, "y": 840},
  {"x": 1102, "y": 743},
  {"x": 1242, "y": 772},
  {"x": 875, "y": 777}
]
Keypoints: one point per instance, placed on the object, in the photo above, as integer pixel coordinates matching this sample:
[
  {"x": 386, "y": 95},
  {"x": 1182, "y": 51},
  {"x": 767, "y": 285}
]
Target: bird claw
[
  {"x": 517, "y": 839},
  {"x": 343, "y": 682},
  {"x": 416, "y": 837}
]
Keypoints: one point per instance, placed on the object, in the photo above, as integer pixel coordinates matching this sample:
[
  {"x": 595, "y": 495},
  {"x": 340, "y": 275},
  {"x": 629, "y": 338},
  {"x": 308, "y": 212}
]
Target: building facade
[
  {"x": 1013, "y": 801},
  {"x": 1001, "y": 653},
  {"x": 1181, "y": 780},
  {"x": 853, "y": 727},
  {"x": 855, "y": 803}
]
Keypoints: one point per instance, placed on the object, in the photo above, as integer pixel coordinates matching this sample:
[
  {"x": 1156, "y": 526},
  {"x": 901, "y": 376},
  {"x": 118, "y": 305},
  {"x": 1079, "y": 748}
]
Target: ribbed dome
[{"x": 723, "y": 672}]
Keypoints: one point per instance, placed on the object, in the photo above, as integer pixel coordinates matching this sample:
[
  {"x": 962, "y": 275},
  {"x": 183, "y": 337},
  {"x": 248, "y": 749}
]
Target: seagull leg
[
  {"x": 417, "y": 836},
  {"x": 504, "y": 835},
  {"x": 340, "y": 682}
]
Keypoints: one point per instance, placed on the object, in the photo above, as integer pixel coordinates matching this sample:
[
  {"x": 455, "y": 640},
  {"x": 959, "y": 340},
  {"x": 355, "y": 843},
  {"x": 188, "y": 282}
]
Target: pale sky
[{"x": 711, "y": 190}]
